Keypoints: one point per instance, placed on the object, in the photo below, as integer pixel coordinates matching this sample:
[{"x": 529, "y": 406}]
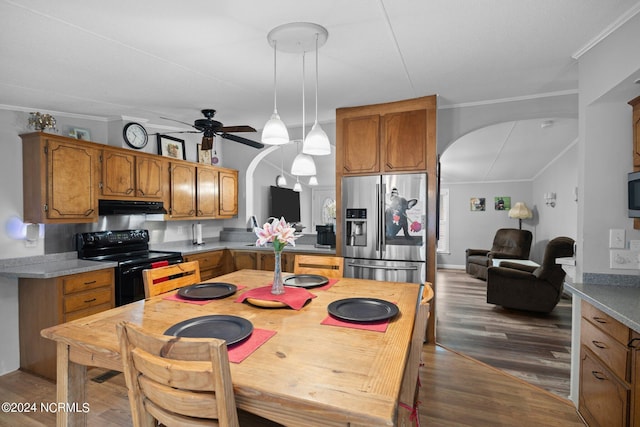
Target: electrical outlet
[
  {"x": 634, "y": 245},
  {"x": 624, "y": 259},
  {"x": 617, "y": 239}
]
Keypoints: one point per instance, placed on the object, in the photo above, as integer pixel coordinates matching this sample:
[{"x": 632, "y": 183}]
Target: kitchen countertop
[
  {"x": 620, "y": 302},
  {"x": 49, "y": 266},
  {"x": 64, "y": 264}
]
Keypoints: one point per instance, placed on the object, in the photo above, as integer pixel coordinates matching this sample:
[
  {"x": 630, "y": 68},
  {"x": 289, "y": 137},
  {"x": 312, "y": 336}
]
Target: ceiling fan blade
[
  {"x": 178, "y": 131},
  {"x": 242, "y": 140},
  {"x": 243, "y": 128},
  {"x": 178, "y": 121}
]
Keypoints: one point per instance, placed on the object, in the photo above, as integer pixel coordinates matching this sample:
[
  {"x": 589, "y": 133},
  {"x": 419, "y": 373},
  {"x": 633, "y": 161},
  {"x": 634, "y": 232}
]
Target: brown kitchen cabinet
[
  {"x": 128, "y": 175},
  {"x": 605, "y": 370},
  {"x": 205, "y": 192},
  {"x": 60, "y": 179},
  {"x": 245, "y": 260},
  {"x": 635, "y": 121},
  {"x": 212, "y": 263},
  {"x": 47, "y": 302}
]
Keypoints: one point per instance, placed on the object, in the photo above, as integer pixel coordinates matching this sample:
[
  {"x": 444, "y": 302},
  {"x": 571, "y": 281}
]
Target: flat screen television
[{"x": 284, "y": 202}]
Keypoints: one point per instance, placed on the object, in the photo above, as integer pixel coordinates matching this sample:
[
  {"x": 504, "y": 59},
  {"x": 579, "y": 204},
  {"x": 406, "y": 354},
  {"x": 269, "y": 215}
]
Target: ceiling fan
[{"x": 209, "y": 128}]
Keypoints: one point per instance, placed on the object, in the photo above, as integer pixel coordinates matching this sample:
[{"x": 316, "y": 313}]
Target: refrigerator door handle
[
  {"x": 381, "y": 267},
  {"x": 381, "y": 219},
  {"x": 378, "y": 221}
]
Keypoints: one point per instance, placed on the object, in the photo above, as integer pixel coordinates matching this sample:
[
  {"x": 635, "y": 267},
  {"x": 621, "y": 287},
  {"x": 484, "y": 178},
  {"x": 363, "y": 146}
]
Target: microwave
[{"x": 633, "y": 183}]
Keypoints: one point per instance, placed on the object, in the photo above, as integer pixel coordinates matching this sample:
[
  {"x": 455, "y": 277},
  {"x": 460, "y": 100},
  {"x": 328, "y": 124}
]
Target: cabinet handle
[
  {"x": 90, "y": 300},
  {"x": 346, "y": 168},
  {"x": 632, "y": 343},
  {"x": 390, "y": 166},
  {"x": 89, "y": 212},
  {"x": 141, "y": 192},
  {"x": 192, "y": 212},
  {"x": 90, "y": 283},
  {"x": 600, "y": 320},
  {"x": 129, "y": 191},
  {"x": 599, "y": 344},
  {"x": 599, "y": 375}
]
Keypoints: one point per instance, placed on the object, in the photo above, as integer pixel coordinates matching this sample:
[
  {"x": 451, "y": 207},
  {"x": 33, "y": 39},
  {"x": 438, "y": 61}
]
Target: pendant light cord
[
  {"x": 275, "y": 91},
  {"x": 303, "y": 113},
  {"x": 317, "y": 77}
]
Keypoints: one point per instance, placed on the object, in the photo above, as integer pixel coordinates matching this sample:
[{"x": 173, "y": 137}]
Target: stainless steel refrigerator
[{"x": 384, "y": 224}]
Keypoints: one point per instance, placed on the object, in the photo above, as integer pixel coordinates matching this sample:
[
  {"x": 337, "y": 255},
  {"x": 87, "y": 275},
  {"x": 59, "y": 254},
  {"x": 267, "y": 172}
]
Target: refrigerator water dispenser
[{"x": 356, "y": 221}]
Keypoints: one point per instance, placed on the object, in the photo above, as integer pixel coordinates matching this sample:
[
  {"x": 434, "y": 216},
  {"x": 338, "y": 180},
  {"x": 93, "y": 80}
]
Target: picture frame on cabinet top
[
  {"x": 204, "y": 156},
  {"x": 170, "y": 146}
]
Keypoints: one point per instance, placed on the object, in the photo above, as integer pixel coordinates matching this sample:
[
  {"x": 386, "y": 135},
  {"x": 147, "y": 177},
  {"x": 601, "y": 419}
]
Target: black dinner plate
[
  {"x": 362, "y": 309},
  {"x": 232, "y": 329},
  {"x": 305, "y": 280},
  {"x": 211, "y": 290}
]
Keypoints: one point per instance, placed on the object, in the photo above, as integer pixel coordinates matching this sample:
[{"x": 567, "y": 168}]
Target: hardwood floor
[
  {"x": 530, "y": 346},
  {"x": 456, "y": 390}
]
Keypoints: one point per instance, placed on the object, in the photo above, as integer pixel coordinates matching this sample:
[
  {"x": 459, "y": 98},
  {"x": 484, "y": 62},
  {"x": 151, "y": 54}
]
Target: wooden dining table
[{"x": 306, "y": 374}]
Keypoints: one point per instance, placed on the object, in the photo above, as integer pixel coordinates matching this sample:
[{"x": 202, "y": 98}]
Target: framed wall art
[
  {"x": 204, "y": 156},
  {"x": 477, "y": 204},
  {"x": 170, "y": 146},
  {"x": 502, "y": 203}
]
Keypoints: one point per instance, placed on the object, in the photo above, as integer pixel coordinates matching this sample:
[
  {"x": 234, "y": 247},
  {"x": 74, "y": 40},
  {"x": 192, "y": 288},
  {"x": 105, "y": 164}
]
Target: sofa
[
  {"x": 508, "y": 243},
  {"x": 530, "y": 288}
]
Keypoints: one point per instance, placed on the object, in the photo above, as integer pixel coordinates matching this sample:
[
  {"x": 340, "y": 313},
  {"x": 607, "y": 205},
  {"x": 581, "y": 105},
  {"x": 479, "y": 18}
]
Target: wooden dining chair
[
  {"x": 328, "y": 266},
  {"x": 176, "y": 381},
  {"x": 164, "y": 279},
  {"x": 408, "y": 399}
]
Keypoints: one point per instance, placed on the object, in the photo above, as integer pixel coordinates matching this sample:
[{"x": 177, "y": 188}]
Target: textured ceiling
[{"x": 147, "y": 59}]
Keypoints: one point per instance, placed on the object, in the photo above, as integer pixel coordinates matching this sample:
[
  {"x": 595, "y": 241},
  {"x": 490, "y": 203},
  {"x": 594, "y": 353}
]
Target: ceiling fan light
[
  {"x": 317, "y": 142},
  {"x": 298, "y": 187},
  {"x": 274, "y": 131},
  {"x": 313, "y": 180},
  {"x": 303, "y": 165}
]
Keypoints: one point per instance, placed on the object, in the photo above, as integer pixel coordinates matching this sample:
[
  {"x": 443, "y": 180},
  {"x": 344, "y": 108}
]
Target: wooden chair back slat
[
  {"x": 164, "y": 279},
  {"x": 328, "y": 266}
]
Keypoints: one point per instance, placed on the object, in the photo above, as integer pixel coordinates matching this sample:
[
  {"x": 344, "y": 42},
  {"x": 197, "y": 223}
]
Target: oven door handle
[{"x": 135, "y": 269}]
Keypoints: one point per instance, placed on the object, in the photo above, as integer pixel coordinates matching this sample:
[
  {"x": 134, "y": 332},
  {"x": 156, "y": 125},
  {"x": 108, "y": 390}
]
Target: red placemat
[
  {"x": 380, "y": 326},
  {"x": 295, "y": 298},
  {"x": 175, "y": 297},
  {"x": 240, "y": 351}
]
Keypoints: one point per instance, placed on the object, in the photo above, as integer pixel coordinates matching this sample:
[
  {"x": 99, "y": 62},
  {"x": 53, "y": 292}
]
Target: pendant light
[
  {"x": 298, "y": 187},
  {"x": 303, "y": 164},
  {"x": 313, "y": 180},
  {"x": 274, "y": 131},
  {"x": 317, "y": 142}
]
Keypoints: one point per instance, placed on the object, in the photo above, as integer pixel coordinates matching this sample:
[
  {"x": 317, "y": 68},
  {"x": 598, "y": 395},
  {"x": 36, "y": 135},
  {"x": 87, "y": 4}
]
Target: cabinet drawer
[
  {"x": 604, "y": 400},
  {"x": 84, "y": 300},
  {"x": 78, "y": 314},
  {"x": 610, "y": 351},
  {"x": 208, "y": 260},
  {"x": 605, "y": 322},
  {"x": 86, "y": 281}
]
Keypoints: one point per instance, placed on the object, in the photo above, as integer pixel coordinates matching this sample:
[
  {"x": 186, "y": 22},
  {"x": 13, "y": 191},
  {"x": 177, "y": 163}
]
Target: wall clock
[{"x": 135, "y": 135}]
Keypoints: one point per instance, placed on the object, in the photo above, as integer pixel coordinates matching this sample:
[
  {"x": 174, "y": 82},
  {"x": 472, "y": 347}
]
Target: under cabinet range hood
[{"x": 129, "y": 207}]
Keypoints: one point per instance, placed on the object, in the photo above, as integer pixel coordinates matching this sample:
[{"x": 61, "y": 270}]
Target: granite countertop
[
  {"x": 64, "y": 264},
  {"x": 49, "y": 266},
  {"x": 622, "y": 302}
]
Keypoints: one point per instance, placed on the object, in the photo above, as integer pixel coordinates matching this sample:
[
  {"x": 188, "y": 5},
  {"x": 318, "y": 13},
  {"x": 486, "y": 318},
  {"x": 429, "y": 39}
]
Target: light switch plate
[
  {"x": 624, "y": 259},
  {"x": 617, "y": 238}
]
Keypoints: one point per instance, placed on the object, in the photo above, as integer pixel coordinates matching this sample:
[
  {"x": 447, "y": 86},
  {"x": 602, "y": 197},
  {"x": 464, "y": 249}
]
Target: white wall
[
  {"x": 560, "y": 177},
  {"x": 476, "y": 229}
]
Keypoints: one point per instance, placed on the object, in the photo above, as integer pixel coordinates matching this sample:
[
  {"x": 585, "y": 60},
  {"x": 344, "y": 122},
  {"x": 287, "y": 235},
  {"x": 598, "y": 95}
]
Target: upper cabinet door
[
  {"x": 71, "y": 181},
  {"x": 183, "y": 190},
  {"x": 404, "y": 145},
  {"x": 207, "y": 192},
  {"x": 227, "y": 193},
  {"x": 149, "y": 173},
  {"x": 360, "y": 151},
  {"x": 118, "y": 174}
]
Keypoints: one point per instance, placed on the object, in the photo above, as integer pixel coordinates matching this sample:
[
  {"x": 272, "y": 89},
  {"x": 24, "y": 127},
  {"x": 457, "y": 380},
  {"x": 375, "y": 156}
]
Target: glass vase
[{"x": 278, "y": 287}]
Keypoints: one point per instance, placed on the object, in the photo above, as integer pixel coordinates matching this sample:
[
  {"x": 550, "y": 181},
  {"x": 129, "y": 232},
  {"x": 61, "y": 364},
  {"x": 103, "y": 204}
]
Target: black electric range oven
[{"x": 130, "y": 249}]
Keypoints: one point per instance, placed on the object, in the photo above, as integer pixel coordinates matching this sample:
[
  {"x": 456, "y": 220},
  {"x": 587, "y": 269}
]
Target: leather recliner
[
  {"x": 530, "y": 288},
  {"x": 508, "y": 243}
]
